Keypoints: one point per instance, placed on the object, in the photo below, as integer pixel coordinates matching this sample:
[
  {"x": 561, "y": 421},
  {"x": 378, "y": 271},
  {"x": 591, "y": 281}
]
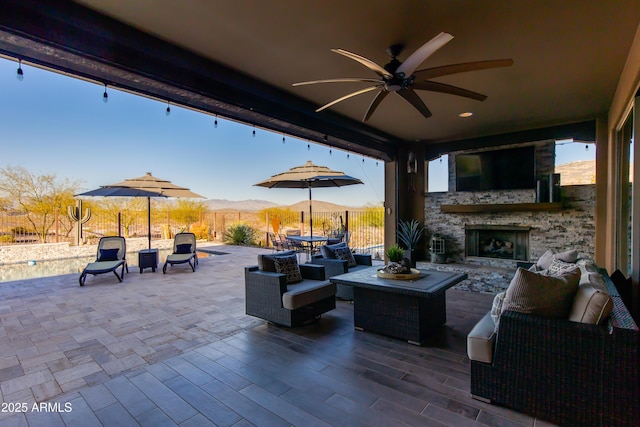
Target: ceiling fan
[{"x": 403, "y": 79}]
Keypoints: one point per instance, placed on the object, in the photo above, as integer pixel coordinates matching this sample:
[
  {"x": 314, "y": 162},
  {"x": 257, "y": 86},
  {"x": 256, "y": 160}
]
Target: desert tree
[
  {"x": 36, "y": 196},
  {"x": 132, "y": 211},
  {"x": 186, "y": 212}
]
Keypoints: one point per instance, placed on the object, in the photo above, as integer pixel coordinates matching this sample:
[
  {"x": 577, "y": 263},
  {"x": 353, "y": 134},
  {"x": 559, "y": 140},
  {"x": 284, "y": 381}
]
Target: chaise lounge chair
[
  {"x": 184, "y": 251},
  {"x": 112, "y": 253}
]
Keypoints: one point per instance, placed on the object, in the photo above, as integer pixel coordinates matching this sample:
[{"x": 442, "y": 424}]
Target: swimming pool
[{"x": 58, "y": 267}]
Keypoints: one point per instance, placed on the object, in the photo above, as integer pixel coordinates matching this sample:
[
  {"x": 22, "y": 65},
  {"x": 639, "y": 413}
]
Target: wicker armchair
[
  {"x": 569, "y": 373},
  {"x": 269, "y": 297},
  {"x": 335, "y": 267}
]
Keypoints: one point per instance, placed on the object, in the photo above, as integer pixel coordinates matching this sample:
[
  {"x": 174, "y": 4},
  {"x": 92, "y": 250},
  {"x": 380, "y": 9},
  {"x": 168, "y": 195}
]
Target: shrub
[
  {"x": 201, "y": 230},
  {"x": 240, "y": 234},
  {"x": 7, "y": 238}
]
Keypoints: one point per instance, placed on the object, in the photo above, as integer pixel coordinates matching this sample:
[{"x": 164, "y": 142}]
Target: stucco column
[{"x": 404, "y": 191}]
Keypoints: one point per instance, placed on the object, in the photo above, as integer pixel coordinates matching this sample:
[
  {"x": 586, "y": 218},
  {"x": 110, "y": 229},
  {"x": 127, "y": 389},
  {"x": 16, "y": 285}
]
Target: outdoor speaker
[
  {"x": 554, "y": 187},
  {"x": 542, "y": 190}
]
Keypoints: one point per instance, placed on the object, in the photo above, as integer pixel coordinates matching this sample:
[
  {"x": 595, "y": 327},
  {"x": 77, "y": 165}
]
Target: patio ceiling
[{"x": 239, "y": 59}]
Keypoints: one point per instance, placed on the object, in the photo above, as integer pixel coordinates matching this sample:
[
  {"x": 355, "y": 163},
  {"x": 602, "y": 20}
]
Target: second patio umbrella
[
  {"x": 309, "y": 176},
  {"x": 145, "y": 186}
]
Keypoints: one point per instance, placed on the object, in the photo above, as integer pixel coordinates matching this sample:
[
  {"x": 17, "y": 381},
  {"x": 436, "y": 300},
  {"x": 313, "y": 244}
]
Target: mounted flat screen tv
[{"x": 510, "y": 169}]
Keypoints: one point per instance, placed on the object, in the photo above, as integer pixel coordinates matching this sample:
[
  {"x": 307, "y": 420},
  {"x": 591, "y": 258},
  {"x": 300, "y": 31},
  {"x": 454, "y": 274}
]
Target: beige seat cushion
[
  {"x": 481, "y": 339},
  {"x": 307, "y": 292}
]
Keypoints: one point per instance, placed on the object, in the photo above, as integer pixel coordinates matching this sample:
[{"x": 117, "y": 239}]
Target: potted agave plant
[{"x": 409, "y": 234}]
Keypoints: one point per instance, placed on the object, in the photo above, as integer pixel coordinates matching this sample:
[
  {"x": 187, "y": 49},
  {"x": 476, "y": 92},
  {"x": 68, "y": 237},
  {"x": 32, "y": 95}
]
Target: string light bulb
[
  {"x": 348, "y": 154},
  {"x": 168, "y": 110},
  {"x": 105, "y": 95},
  {"x": 330, "y": 151},
  {"x": 586, "y": 147},
  {"x": 283, "y": 138},
  {"x": 215, "y": 122},
  {"x": 19, "y": 72},
  {"x": 308, "y": 147},
  {"x": 253, "y": 134}
]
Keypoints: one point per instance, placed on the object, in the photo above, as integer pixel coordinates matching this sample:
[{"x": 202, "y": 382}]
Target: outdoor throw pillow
[
  {"x": 570, "y": 256},
  {"x": 288, "y": 265},
  {"x": 345, "y": 254},
  {"x": 496, "y": 307},
  {"x": 108, "y": 255},
  {"x": 329, "y": 251},
  {"x": 558, "y": 267},
  {"x": 184, "y": 248},
  {"x": 545, "y": 260},
  {"x": 265, "y": 262},
  {"x": 541, "y": 294}
]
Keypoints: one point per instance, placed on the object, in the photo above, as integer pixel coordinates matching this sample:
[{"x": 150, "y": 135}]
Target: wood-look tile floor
[{"x": 177, "y": 349}]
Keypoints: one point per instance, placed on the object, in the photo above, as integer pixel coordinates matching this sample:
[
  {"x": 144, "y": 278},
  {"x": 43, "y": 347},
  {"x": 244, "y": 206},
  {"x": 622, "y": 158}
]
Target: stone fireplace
[
  {"x": 509, "y": 242},
  {"x": 520, "y": 228}
]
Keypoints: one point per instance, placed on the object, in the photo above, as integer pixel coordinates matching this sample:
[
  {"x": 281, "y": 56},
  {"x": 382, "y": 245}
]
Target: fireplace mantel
[{"x": 502, "y": 207}]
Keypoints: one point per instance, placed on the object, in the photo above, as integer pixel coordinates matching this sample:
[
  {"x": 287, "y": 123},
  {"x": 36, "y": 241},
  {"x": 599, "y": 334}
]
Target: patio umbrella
[
  {"x": 309, "y": 176},
  {"x": 145, "y": 186}
]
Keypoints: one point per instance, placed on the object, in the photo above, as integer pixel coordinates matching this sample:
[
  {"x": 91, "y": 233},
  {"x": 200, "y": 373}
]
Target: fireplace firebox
[{"x": 497, "y": 241}]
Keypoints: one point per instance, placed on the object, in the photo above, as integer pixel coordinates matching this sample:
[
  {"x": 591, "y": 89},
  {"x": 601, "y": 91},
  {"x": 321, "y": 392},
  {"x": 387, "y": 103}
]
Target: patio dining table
[{"x": 308, "y": 242}]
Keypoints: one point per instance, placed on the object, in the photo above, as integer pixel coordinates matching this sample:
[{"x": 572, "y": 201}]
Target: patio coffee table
[{"x": 405, "y": 309}]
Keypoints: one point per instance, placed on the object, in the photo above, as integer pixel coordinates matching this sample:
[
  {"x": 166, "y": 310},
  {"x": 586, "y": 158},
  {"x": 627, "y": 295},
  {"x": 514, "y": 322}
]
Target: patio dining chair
[
  {"x": 277, "y": 244},
  {"x": 184, "y": 251},
  {"x": 112, "y": 252}
]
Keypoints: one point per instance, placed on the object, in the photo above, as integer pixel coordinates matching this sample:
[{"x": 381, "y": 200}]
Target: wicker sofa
[
  {"x": 334, "y": 267},
  {"x": 566, "y": 372},
  {"x": 269, "y": 296}
]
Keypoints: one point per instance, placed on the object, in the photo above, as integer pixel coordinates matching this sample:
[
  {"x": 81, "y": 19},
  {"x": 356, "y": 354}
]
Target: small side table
[{"x": 148, "y": 258}]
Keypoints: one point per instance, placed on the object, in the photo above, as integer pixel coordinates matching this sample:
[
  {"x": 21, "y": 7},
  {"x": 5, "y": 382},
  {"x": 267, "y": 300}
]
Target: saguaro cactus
[{"x": 75, "y": 213}]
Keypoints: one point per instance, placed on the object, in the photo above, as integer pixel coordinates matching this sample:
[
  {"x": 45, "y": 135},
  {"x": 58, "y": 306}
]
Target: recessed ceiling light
[{"x": 467, "y": 114}]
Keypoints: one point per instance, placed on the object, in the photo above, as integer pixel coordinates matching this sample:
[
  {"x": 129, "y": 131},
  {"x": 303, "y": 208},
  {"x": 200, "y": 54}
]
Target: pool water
[{"x": 58, "y": 267}]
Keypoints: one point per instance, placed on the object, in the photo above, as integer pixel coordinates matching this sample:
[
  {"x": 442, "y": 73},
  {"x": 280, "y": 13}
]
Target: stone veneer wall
[{"x": 571, "y": 228}]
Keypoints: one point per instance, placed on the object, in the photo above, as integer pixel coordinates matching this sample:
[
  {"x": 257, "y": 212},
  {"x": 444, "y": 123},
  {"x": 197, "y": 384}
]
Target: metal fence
[{"x": 364, "y": 229}]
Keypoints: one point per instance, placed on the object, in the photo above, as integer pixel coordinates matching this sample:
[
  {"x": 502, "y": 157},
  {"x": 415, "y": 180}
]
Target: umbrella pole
[
  {"x": 149, "y": 218},
  {"x": 310, "y": 212}
]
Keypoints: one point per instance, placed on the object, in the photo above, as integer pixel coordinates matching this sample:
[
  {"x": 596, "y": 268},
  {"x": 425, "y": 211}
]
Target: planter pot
[{"x": 413, "y": 257}]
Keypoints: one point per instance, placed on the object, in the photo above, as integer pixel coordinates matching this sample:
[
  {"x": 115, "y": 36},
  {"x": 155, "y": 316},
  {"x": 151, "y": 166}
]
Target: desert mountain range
[
  {"x": 256, "y": 205},
  {"x": 581, "y": 172},
  {"x": 574, "y": 173}
]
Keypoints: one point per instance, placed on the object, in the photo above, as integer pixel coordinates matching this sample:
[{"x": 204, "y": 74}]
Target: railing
[{"x": 363, "y": 229}]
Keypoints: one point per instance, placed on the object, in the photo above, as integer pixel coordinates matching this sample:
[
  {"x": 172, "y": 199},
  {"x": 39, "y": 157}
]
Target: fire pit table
[{"x": 405, "y": 309}]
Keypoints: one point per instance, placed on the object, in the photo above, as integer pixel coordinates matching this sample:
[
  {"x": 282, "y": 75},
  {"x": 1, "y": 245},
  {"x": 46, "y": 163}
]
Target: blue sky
[
  {"x": 57, "y": 124},
  {"x": 54, "y": 123}
]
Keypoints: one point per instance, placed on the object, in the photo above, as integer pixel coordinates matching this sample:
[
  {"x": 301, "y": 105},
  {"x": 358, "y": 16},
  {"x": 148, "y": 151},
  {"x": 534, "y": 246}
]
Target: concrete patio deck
[{"x": 178, "y": 349}]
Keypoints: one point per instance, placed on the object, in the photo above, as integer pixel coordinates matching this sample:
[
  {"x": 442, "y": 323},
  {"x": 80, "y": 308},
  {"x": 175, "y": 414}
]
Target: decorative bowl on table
[{"x": 397, "y": 271}]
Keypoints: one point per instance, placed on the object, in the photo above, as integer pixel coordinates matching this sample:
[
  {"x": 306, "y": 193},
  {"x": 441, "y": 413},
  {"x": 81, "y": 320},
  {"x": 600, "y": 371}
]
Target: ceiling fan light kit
[{"x": 403, "y": 79}]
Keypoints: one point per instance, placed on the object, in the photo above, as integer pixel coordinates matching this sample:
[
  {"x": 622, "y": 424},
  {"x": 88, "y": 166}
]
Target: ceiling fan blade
[
  {"x": 430, "y": 73},
  {"x": 364, "y": 61},
  {"x": 342, "y": 80},
  {"x": 374, "y": 104},
  {"x": 452, "y": 90},
  {"x": 426, "y": 50},
  {"x": 415, "y": 100},
  {"x": 369, "y": 89}
]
